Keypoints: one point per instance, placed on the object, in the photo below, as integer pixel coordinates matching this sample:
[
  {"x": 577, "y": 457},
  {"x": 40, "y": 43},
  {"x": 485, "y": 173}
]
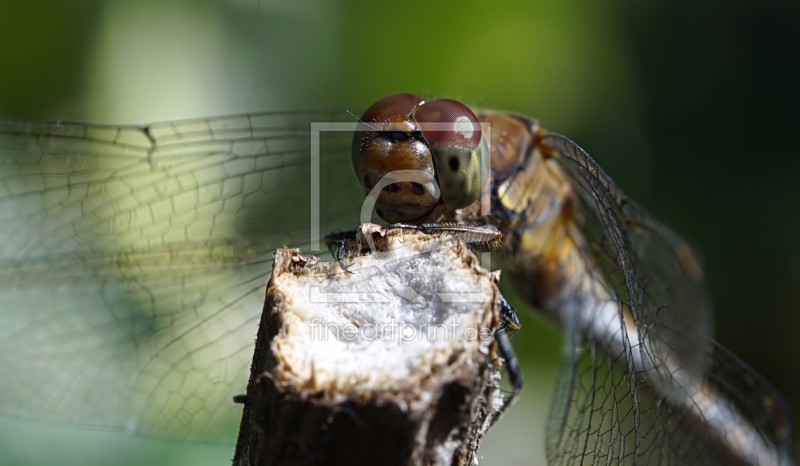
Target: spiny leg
[
  {"x": 481, "y": 237},
  {"x": 341, "y": 245},
  {"x": 508, "y": 322}
]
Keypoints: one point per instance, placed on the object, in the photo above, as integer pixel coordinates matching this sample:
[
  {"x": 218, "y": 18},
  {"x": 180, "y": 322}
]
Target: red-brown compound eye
[
  {"x": 454, "y": 136},
  {"x": 449, "y": 123},
  {"x": 389, "y": 108},
  {"x": 387, "y": 140}
]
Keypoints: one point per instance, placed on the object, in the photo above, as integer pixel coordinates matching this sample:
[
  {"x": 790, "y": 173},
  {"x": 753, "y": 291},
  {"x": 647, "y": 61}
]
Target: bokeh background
[{"x": 692, "y": 107}]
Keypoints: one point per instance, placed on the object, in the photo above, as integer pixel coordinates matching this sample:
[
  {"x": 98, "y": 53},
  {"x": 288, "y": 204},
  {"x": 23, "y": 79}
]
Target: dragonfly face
[
  {"x": 400, "y": 132},
  {"x": 134, "y": 260}
]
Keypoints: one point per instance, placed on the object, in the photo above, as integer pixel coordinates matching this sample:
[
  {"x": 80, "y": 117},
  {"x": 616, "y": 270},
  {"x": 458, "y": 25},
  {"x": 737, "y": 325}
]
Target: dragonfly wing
[
  {"x": 602, "y": 414},
  {"x": 134, "y": 262},
  {"x": 644, "y": 382},
  {"x": 662, "y": 272}
]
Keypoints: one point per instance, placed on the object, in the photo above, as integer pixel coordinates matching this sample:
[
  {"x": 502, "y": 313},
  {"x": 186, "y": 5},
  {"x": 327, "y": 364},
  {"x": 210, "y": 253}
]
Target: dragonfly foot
[
  {"x": 508, "y": 322},
  {"x": 341, "y": 245}
]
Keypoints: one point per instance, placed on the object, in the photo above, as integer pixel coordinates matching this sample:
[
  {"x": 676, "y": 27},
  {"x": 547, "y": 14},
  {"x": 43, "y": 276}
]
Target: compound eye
[
  {"x": 390, "y": 108},
  {"x": 392, "y": 113},
  {"x": 454, "y": 135},
  {"x": 449, "y": 123}
]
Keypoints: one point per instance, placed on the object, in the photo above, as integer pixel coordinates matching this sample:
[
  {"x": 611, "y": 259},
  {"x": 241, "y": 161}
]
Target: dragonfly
[{"x": 134, "y": 261}]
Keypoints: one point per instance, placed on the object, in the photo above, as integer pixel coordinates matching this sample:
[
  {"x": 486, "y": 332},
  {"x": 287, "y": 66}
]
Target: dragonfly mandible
[{"x": 134, "y": 260}]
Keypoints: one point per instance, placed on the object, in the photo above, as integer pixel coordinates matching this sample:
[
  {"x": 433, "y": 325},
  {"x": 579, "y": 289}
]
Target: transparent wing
[
  {"x": 134, "y": 261},
  {"x": 640, "y": 380}
]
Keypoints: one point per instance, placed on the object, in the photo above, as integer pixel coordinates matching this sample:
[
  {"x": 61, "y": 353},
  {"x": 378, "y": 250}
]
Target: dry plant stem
[{"x": 372, "y": 401}]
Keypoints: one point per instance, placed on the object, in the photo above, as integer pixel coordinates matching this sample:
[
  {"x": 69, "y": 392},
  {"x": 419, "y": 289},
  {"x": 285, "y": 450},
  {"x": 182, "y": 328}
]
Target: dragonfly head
[{"x": 441, "y": 140}]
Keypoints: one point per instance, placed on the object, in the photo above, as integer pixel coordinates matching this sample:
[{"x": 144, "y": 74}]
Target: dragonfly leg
[
  {"x": 514, "y": 376},
  {"x": 341, "y": 245},
  {"x": 480, "y": 237},
  {"x": 508, "y": 321}
]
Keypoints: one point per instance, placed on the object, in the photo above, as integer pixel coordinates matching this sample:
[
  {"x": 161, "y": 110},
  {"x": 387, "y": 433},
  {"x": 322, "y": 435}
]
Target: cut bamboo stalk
[{"x": 391, "y": 363}]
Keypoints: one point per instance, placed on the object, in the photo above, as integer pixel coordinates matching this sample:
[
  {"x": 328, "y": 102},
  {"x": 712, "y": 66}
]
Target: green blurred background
[{"x": 690, "y": 106}]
